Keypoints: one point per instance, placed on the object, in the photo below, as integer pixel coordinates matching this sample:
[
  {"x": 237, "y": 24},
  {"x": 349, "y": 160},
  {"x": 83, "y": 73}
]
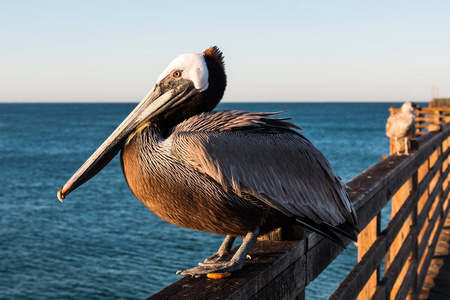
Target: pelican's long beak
[{"x": 157, "y": 101}]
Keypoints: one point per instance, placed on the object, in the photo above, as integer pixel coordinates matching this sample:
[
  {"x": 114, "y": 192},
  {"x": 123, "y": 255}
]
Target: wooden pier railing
[
  {"x": 428, "y": 118},
  {"x": 418, "y": 188}
]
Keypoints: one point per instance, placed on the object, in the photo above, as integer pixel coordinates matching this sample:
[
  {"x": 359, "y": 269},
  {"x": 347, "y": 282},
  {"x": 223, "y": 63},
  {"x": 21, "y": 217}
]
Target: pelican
[
  {"x": 233, "y": 173},
  {"x": 402, "y": 125}
]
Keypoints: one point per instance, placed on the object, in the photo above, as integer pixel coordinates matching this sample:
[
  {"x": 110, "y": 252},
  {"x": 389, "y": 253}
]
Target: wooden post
[
  {"x": 287, "y": 233},
  {"x": 445, "y": 164},
  {"x": 397, "y": 201},
  {"x": 421, "y": 172},
  {"x": 414, "y": 251},
  {"x": 365, "y": 240},
  {"x": 432, "y": 160},
  {"x": 436, "y": 123}
]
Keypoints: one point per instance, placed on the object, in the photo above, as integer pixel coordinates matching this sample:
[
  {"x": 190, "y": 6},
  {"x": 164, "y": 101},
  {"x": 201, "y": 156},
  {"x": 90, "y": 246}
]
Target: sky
[{"x": 278, "y": 51}]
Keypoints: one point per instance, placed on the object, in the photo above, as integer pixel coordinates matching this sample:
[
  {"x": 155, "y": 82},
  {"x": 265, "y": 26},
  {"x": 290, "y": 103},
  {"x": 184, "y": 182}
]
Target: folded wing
[{"x": 267, "y": 159}]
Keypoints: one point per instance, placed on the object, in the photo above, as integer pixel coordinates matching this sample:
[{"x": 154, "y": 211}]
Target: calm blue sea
[{"x": 102, "y": 243}]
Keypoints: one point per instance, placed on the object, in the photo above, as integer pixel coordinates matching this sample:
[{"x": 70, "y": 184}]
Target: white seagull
[{"x": 402, "y": 125}]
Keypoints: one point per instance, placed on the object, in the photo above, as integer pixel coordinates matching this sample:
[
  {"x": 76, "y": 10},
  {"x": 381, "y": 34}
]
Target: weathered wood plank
[
  {"x": 352, "y": 284},
  {"x": 321, "y": 256},
  {"x": 423, "y": 216},
  {"x": 365, "y": 240},
  {"x": 358, "y": 276},
  {"x": 437, "y": 282},
  {"x": 389, "y": 175},
  {"x": 288, "y": 285},
  {"x": 370, "y": 183},
  {"x": 394, "y": 180},
  {"x": 397, "y": 201},
  {"x": 423, "y": 244},
  {"x": 269, "y": 260},
  {"x": 408, "y": 281},
  {"x": 383, "y": 290},
  {"x": 390, "y": 278},
  {"x": 429, "y": 256}
]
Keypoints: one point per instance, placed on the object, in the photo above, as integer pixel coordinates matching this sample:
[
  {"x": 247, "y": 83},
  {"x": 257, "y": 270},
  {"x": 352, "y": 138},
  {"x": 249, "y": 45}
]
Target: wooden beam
[
  {"x": 360, "y": 274},
  {"x": 271, "y": 261},
  {"x": 365, "y": 240},
  {"x": 429, "y": 257},
  {"x": 386, "y": 288}
]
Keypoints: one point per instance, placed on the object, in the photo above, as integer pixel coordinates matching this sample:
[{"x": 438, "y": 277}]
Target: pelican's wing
[
  {"x": 282, "y": 169},
  {"x": 400, "y": 125},
  {"x": 390, "y": 122}
]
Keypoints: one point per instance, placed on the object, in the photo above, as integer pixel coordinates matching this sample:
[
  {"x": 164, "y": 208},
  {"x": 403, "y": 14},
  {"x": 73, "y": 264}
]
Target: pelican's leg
[
  {"x": 235, "y": 263},
  {"x": 406, "y": 146},
  {"x": 224, "y": 251},
  {"x": 397, "y": 149}
]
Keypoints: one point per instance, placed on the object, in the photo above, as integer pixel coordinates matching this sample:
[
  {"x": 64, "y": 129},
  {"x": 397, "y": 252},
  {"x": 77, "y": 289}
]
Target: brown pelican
[
  {"x": 234, "y": 173},
  {"x": 402, "y": 125}
]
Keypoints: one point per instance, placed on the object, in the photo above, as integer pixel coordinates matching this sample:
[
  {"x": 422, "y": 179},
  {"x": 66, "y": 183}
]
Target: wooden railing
[
  {"x": 418, "y": 186},
  {"x": 428, "y": 118}
]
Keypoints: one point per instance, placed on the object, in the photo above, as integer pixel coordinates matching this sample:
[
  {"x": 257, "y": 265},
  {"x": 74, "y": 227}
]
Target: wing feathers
[
  {"x": 400, "y": 125},
  {"x": 281, "y": 168}
]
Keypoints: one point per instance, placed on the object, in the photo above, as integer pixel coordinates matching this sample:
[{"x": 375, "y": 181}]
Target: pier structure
[{"x": 393, "y": 262}]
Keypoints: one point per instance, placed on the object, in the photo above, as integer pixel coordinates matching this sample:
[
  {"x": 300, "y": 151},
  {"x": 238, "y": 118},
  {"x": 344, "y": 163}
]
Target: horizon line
[{"x": 272, "y": 102}]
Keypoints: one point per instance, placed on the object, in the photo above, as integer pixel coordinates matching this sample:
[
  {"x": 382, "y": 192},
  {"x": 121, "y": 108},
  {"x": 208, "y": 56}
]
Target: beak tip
[{"x": 60, "y": 195}]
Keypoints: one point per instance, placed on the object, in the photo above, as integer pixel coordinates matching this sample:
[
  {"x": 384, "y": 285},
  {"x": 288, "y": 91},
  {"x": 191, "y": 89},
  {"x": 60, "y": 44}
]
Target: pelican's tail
[{"x": 329, "y": 231}]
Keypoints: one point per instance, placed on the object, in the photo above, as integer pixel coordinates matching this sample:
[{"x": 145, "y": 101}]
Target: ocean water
[{"x": 102, "y": 243}]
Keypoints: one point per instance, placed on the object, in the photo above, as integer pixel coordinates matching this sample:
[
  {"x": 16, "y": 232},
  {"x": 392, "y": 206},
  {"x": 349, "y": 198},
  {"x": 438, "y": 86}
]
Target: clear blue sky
[{"x": 108, "y": 51}]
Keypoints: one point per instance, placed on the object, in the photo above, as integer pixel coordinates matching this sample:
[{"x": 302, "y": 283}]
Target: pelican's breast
[{"x": 180, "y": 195}]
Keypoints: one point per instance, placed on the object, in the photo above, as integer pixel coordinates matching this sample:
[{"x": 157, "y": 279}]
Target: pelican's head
[
  {"x": 409, "y": 107},
  {"x": 191, "y": 84},
  {"x": 191, "y": 67}
]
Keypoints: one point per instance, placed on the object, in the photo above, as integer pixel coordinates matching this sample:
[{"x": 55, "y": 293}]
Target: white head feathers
[
  {"x": 194, "y": 68},
  {"x": 407, "y": 107}
]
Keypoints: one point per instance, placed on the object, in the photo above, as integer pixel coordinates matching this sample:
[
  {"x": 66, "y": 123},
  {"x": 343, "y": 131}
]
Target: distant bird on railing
[
  {"x": 234, "y": 173},
  {"x": 402, "y": 126}
]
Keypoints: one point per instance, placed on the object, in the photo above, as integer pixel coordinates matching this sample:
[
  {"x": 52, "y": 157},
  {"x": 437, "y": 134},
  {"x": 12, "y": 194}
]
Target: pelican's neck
[
  {"x": 138, "y": 155},
  {"x": 146, "y": 134},
  {"x": 409, "y": 114}
]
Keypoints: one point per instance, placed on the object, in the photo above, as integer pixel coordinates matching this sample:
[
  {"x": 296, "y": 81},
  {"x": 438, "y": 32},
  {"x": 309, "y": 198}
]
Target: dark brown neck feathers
[{"x": 204, "y": 101}]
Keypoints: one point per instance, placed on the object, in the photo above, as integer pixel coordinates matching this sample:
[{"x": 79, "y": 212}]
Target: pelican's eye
[{"x": 176, "y": 73}]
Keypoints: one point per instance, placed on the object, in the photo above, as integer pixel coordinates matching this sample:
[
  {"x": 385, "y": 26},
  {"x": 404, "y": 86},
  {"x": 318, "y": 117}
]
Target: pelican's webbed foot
[
  {"x": 221, "y": 261},
  {"x": 217, "y": 267}
]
